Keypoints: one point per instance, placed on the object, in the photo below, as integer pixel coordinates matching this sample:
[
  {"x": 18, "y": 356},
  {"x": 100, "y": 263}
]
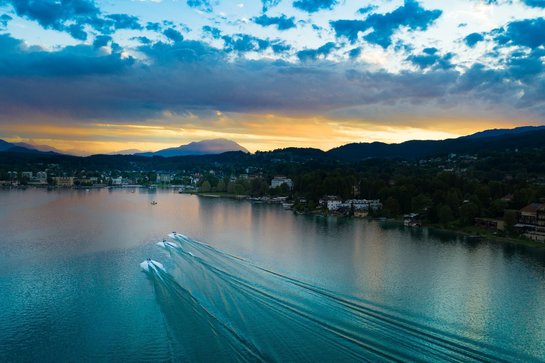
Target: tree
[
  {"x": 391, "y": 207},
  {"x": 420, "y": 203},
  {"x": 468, "y": 212},
  {"x": 205, "y": 187},
  {"x": 445, "y": 214},
  {"x": 510, "y": 219},
  {"x": 231, "y": 187},
  {"x": 258, "y": 187},
  {"x": 221, "y": 187}
]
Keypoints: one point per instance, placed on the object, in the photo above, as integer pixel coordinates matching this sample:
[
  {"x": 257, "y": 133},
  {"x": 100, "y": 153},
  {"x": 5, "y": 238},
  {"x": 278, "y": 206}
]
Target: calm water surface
[{"x": 265, "y": 285}]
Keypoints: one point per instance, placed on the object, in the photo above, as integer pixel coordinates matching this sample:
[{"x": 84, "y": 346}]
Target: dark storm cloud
[
  {"x": 282, "y": 22},
  {"x": 312, "y": 6},
  {"x": 383, "y": 26}
]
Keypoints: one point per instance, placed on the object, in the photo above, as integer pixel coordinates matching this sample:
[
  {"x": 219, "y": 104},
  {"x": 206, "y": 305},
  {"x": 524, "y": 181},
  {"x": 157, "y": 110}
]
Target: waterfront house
[
  {"x": 532, "y": 221},
  {"x": 490, "y": 223},
  {"x": 163, "y": 178},
  {"x": 64, "y": 181},
  {"x": 279, "y": 180}
]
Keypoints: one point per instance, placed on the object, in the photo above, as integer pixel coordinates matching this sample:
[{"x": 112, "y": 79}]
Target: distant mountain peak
[
  {"x": 204, "y": 147},
  {"x": 27, "y": 147},
  {"x": 502, "y": 132}
]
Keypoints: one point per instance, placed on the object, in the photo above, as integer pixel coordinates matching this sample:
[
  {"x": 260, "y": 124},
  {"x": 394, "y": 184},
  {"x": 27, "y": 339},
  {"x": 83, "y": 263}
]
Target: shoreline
[
  {"x": 467, "y": 232},
  {"x": 480, "y": 234}
]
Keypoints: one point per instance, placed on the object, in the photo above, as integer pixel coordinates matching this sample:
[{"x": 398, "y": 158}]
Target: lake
[{"x": 252, "y": 282}]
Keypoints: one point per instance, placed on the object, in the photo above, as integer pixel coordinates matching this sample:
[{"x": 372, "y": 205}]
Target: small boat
[
  {"x": 150, "y": 265},
  {"x": 153, "y": 202}
]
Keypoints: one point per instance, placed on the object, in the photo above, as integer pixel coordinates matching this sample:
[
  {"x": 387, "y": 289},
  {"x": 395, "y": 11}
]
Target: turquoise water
[{"x": 252, "y": 282}]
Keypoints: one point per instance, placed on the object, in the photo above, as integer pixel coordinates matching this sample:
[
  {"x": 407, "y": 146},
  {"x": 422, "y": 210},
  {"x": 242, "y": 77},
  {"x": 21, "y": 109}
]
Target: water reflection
[{"x": 482, "y": 290}]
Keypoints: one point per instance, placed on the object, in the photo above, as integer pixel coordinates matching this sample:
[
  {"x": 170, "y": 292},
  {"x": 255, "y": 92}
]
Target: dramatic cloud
[
  {"x": 82, "y": 60},
  {"x": 313, "y": 6},
  {"x": 267, "y": 4},
  {"x": 282, "y": 22},
  {"x": 529, "y": 33},
  {"x": 190, "y": 77},
  {"x": 383, "y": 26},
  {"x": 173, "y": 34},
  {"x": 244, "y": 43},
  {"x": 203, "y": 5},
  {"x": 71, "y": 16},
  {"x": 313, "y": 54},
  {"x": 473, "y": 39},
  {"x": 431, "y": 58},
  {"x": 4, "y": 19},
  {"x": 535, "y": 3},
  {"x": 211, "y": 66}
]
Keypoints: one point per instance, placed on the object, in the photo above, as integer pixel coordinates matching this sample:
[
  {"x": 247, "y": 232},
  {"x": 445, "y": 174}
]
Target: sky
[{"x": 90, "y": 76}]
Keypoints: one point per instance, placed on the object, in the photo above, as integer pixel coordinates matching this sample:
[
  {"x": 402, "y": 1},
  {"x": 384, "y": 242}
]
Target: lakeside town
[{"x": 344, "y": 196}]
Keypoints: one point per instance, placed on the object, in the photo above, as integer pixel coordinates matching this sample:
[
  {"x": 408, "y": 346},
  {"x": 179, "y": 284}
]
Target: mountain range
[
  {"x": 27, "y": 148},
  {"x": 488, "y": 140}
]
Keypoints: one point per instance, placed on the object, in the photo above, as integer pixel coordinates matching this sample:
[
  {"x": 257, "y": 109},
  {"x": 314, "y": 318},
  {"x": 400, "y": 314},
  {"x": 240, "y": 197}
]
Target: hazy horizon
[{"x": 130, "y": 150}]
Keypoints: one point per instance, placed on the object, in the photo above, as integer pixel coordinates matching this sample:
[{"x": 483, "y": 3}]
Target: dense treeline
[{"x": 445, "y": 189}]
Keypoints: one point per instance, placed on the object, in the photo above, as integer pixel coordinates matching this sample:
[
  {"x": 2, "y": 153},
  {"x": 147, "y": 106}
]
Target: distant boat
[
  {"x": 153, "y": 202},
  {"x": 287, "y": 205}
]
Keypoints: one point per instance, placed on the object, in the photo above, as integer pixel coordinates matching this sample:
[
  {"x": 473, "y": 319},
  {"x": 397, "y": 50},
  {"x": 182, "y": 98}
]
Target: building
[
  {"x": 39, "y": 179},
  {"x": 532, "y": 221},
  {"x": 490, "y": 223},
  {"x": 41, "y": 176},
  {"x": 334, "y": 203},
  {"x": 280, "y": 180},
  {"x": 412, "y": 220},
  {"x": 163, "y": 178},
  {"x": 64, "y": 181},
  {"x": 26, "y": 174},
  {"x": 117, "y": 181}
]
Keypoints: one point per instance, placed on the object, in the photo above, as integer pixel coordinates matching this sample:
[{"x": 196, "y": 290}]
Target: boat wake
[{"x": 245, "y": 312}]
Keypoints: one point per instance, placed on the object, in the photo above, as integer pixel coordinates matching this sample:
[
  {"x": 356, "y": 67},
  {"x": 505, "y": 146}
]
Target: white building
[
  {"x": 117, "y": 181},
  {"x": 357, "y": 204},
  {"x": 26, "y": 174},
  {"x": 164, "y": 178},
  {"x": 334, "y": 204},
  {"x": 279, "y": 180},
  {"x": 41, "y": 176}
]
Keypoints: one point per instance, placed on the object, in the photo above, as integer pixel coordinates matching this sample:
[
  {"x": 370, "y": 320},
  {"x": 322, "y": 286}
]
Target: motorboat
[{"x": 150, "y": 265}]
